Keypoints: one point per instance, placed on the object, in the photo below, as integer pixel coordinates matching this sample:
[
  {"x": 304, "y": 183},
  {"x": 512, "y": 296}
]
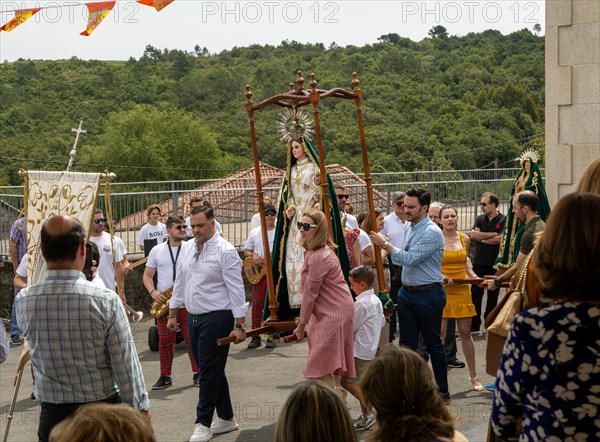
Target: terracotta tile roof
[{"x": 234, "y": 197}]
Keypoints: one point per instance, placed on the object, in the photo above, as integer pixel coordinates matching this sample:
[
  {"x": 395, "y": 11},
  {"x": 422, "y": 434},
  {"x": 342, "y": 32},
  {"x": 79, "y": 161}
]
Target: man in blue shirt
[{"x": 421, "y": 299}]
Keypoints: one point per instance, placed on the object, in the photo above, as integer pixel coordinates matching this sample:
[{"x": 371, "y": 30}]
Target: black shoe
[
  {"x": 32, "y": 397},
  {"x": 255, "y": 342},
  {"x": 456, "y": 364},
  {"x": 162, "y": 383},
  {"x": 16, "y": 340},
  {"x": 446, "y": 397},
  {"x": 196, "y": 380},
  {"x": 270, "y": 344}
]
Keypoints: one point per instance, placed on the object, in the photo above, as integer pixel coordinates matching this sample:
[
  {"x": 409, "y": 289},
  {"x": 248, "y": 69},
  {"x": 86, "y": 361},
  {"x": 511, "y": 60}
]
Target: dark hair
[
  {"x": 175, "y": 219},
  {"x": 195, "y": 199},
  {"x": 400, "y": 386},
  {"x": 447, "y": 207},
  {"x": 63, "y": 246},
  {"x": 529, "y": 199},
  {"x": 207, "y": 204},
  {"x": 421, "y": 194},
  {"x": 492, "y": 197},
  {"x": 566, "y": 259},
  {"x": 362, "y": 274},
  {"x": 314, "y": 412},
  {"x": 208, "y": 211},
  {"x": 92, "y": 252},
  {"x": 367, "y": 221},
  {"x": 361, "y": 217}
]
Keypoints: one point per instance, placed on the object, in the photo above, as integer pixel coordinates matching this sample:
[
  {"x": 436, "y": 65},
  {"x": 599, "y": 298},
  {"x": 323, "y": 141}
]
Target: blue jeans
[
  {"x": 421, "y": 312},
  {"x": 14, "y": 327},
  {"x": 211, "y": 358}
]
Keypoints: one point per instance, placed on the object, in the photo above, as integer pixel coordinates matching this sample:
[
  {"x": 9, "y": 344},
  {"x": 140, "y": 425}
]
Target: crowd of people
[{"x": 547, "y": 381}]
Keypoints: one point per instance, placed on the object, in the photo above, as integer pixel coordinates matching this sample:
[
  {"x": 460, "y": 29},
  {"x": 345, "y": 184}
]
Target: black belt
[
  {"x": 420, "y": 288},
  {"x": 114, "y": 398}
]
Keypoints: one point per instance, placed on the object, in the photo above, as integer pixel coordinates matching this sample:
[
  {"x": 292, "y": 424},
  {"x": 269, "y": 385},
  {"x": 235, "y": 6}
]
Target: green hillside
[{"x": 444, "y": 102}]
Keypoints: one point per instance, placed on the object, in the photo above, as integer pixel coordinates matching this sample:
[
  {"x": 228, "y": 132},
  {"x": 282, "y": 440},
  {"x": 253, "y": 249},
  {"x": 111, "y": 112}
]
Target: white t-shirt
[
  {"x": 106, "y": 270},
  {"x": 363, "y": 240},
  {"x": 120, "y": 245},
  {"x": 157, "y": 232},
  {"x": 97, "y": 281},
  {"x": 22, "y": 269},
  {"x": 368, "y": 322},
  {"x": 351, "y": 222},
  {"x": 160, "y": 260},
  {"x": 255, "y": 221},
  {"x": 190, "y": 234},
  {"x": 394, "y": 229},
  {"x": 255, "y": 243}
]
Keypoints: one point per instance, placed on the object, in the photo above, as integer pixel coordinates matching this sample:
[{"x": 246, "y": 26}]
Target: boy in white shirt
[{"x": 368, "y": 322}]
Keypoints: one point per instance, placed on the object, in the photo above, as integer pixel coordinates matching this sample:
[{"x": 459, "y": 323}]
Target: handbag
[{"x": 498, "y": 322}]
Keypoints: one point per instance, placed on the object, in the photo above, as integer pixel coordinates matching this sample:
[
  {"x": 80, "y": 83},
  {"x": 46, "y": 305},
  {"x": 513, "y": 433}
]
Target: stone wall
[
  {"x": 137, "y": 295},
  {"x": 572, "y": 92}
]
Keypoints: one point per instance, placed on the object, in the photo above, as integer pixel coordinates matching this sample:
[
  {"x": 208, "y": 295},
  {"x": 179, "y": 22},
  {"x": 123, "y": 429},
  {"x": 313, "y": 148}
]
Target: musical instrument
[
  {"x": 135, "y": 316},
  {"x": 138, "y": 263},
  {"x": 158, "y": 310},
  {"x": 254, "y": 272}
]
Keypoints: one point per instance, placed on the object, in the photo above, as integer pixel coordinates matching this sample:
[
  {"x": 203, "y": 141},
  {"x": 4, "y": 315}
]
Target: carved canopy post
[{"x": 294, "y": 99}]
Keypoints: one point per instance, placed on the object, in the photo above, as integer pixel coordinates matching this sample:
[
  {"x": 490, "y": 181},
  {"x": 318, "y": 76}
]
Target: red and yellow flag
[
  {"x": 97, "y": 13},
  {"x": 157, "y": 4},
  {"x": 21, "y": 16}
]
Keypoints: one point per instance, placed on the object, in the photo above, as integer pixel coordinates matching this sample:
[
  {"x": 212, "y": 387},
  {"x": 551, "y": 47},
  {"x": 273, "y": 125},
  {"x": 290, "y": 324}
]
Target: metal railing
[{"x": 235, "y": 205}]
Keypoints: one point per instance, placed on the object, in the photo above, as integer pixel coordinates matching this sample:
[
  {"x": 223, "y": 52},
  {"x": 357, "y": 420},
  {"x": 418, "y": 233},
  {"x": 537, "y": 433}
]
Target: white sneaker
[
  {"x": 223, "y": 426},
  {"x": 201, "y": 434}
]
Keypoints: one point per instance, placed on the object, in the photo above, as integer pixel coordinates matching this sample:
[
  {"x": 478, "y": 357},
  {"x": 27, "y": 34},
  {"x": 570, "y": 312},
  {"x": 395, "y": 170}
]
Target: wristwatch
[
  {"x": 385, "y": 245},
  {"x": 497, "y": 282},
  {"x": 242, "y": 326}
]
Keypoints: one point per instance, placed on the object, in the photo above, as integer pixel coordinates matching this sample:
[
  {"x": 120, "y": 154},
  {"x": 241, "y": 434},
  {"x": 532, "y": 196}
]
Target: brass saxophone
[{"x": 158, "y": 310}]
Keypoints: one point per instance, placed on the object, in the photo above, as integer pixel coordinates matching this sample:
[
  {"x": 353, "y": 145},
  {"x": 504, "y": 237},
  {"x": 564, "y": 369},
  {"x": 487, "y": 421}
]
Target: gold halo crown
[
  {"x": 295, "y": 124},
  {"x": 529, "y": 154}
]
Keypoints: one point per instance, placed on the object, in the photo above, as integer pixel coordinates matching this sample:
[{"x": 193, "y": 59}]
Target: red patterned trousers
[
  {"x": 166, "y": 345},
  {"x": 259, "y": 292}
]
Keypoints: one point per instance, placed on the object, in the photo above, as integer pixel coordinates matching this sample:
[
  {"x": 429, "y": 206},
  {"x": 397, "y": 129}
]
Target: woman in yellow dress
[{"x": 459, "y": 304}]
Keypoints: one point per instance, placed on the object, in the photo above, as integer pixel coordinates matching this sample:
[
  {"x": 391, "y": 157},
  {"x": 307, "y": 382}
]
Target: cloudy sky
[{"x": 217, "y": 25}]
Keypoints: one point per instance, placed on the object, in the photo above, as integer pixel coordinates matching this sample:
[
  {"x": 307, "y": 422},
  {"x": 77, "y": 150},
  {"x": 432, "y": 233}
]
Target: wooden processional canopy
[{"x": 296, "y": 99}]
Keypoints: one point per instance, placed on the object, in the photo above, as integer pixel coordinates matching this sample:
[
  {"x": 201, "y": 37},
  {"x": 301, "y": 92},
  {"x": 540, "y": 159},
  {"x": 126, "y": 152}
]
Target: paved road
[{"x": 260, "y": 381}]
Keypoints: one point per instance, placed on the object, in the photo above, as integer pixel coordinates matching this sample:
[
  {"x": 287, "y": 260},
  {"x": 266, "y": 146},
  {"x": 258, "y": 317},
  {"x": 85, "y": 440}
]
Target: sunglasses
[
  {"x": 341, "y": 197},
  {"x": 100, "y": 220},
  {"x": 304, "y": 226},
  {"x": 484, "y": 204},
  {"x": 180, "y": 227},
  {"x": 270, "y": 213}
]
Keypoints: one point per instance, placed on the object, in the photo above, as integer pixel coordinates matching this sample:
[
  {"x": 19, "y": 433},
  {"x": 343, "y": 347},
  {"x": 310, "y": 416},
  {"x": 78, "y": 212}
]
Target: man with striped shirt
[{"x": 81, "y": 346}]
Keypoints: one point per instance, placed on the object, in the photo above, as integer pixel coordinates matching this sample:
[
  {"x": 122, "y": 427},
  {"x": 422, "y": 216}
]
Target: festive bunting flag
[
  {"x": 97, "y": 13},
  {"x": 21, "y": 16},
  {"x": 157, "y": 4}
]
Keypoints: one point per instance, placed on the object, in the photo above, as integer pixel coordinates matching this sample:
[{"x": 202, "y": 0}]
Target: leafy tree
[
  {"x": 148, "y": 143},
  {"x": 438, "y": 32}
]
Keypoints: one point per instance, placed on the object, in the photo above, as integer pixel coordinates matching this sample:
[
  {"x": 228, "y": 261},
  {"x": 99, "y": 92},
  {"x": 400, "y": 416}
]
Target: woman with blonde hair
[
  {"x": 400, "y": 386},
  {"x": 547, "y": 383},
  {"x": 314, "y": 412},
  {"x": 327, "y": 309}
]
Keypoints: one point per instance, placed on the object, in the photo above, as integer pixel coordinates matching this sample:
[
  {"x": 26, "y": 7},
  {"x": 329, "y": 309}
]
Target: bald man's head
[{"x": 61, "y": 238}]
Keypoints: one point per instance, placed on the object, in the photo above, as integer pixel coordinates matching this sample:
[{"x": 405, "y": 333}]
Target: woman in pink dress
[{"x": 327, "y": 310}]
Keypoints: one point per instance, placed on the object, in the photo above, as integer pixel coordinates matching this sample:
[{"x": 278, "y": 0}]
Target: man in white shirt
[
  {"x": 106, "y": 270},
  {"x": 162, "y": 261},
  {"x": 368, "y": 322},
  {"x": 209, "y": 283},
  {"x": 394, "y": 226},
  {"x": 254, "y": 248},
  {"x": 255, "y": 221}
]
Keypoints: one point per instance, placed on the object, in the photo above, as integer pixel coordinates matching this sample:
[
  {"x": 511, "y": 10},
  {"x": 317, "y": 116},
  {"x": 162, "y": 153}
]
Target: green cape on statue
[{"x": 511, "y": 237}]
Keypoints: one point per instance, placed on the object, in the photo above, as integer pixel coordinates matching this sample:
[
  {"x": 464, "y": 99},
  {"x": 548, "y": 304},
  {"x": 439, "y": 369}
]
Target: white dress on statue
[{"x": 304, "y": 194}]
